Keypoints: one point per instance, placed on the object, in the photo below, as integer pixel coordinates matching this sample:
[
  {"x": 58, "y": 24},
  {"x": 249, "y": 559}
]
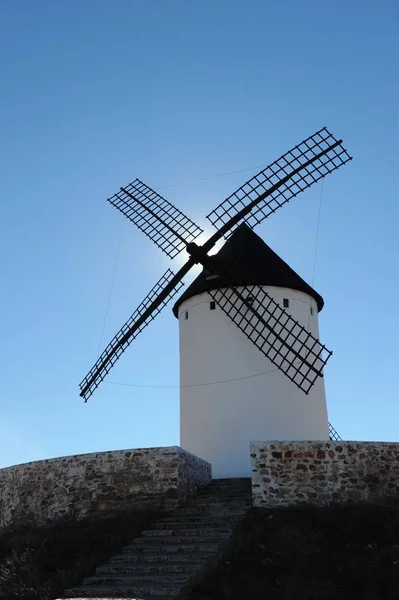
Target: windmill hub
[
  {"x": 197, "y": 253},
  {"x": 251, "y": 362}
]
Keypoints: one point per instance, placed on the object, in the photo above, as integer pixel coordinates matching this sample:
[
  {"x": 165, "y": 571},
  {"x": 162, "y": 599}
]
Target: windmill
[{"x": 246, "y": 282}]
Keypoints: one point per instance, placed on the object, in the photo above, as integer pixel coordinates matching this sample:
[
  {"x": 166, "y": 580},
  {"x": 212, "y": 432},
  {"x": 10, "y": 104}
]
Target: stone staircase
[{"x": 173, "y": 556}]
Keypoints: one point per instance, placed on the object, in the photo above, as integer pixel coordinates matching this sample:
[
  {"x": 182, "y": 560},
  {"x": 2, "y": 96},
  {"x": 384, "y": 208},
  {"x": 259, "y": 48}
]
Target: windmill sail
[
  {"x": 163, "y": 291},
  {"x": 274, "y": 186},
  {"x": 162, "y": 222},
  {"x": 334, "y": 435},
  {"x": 236, "y": 277},
  {"x": 286, "y": 343}
]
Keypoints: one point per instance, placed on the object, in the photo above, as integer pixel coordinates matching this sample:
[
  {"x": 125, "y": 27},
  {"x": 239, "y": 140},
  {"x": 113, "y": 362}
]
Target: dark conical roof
[{"x": 259, "y": 265}]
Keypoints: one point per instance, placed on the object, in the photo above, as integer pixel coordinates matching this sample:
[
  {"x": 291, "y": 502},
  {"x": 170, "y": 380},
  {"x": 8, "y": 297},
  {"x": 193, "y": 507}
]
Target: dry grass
[
  {"x": 341, "y": 553},
  {"x": 39, "y": 564}
]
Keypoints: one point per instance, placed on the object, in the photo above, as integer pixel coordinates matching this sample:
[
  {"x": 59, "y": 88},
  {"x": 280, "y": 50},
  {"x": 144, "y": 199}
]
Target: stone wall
[
  {"x": 98, "y": 483},
  {"x": 193, "y": 473},
  {"x": 321, "y": 473}
]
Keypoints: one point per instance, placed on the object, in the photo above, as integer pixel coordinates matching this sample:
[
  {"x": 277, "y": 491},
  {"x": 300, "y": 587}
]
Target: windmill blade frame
[
  {"x": 158, "y": 297},
  {"x": 334, "y": 435},
  {"x": 271, "y": 188},
  {"x": 284, "y": 341},
  {"x": 169, "y": 228}
]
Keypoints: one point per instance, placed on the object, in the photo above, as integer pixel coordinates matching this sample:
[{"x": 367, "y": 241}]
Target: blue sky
[{"x": 96, "y": 93}]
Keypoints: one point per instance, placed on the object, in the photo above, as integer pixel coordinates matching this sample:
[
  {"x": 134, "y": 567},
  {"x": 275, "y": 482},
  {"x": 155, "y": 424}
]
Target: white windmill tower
[
  {"x": 247, "y": 314},
  {"x": 254, "y": 399}
]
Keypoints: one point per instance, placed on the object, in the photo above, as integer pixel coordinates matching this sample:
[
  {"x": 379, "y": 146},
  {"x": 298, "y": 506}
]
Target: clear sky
[{"x": 95, "y": 93}]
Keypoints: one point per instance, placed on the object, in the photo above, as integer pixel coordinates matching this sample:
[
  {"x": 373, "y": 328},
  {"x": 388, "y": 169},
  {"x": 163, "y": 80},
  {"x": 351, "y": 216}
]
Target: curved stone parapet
[
  {"x": 323, "y": 473},
  {"x": 43, "y": 491}
]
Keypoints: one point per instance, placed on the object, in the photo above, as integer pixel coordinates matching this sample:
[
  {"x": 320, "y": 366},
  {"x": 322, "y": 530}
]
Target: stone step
[
  {"x": 202, "y": 517},
  {"x": 223, "y": 500},
  {"x": 223, "y": 497},
  {"x": 224, "y": 490},
  {"x": 228, "y": 501},
  {"x": 223, "y": 504},
  {"x": 162, "y": 558},
  {"x": 147, "y": 567},
  {"x": 138, "y": 592},
  {"x": 137, "y": 578},
  {"x": 229, "y": 488},
  {"x": 180, "y": 546},
  {"x": 119, "y": 596},
  {"x": 245, "y": 485},
  {"x": 217, "y": 507},
  {"x": 185, "y": 532},
  {"x": 241, "y": 485},
  {"x": 230, "y": 481},
  {"x": 157, "y": 548},
  {"x": 218, "y": 511},
  {"x": 210, "y": 514},
  {"x": 164, "y": 540},
  {"x": 219, "y": 525},
  {"x": 231, "y": 498}
]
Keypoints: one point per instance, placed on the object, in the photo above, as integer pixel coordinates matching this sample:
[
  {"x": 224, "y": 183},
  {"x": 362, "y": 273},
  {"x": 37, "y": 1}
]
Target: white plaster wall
[{"x": 218, "y": 421}]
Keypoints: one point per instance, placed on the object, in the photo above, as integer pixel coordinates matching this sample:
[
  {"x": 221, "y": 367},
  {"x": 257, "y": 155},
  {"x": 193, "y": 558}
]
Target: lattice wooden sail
[
  {"x": 150, "y": 307},
  {"x": 162, "y": 222},
  {"x": 286, "y": 343},
  {"x": 298, "y": 169}
]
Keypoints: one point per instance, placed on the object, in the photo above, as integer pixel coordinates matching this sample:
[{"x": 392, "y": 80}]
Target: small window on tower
[
  {"x": 286, "y": 303},
  {"x": 311, "y": 310},
  {"x": 212, "y": 305},
  {"x": 186, "y": 315},
  {"x": 250, "y": 300}
]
